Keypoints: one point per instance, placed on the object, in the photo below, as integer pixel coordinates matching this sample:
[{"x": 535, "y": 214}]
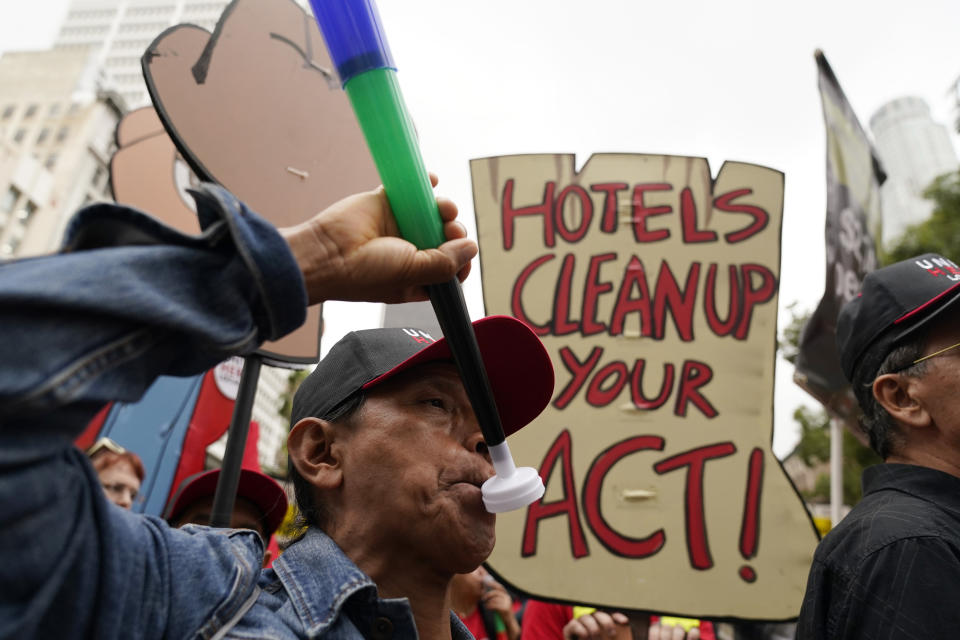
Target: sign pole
[
  {"x": 836, "y": 470},
  {"x": 226, "y": 493}
]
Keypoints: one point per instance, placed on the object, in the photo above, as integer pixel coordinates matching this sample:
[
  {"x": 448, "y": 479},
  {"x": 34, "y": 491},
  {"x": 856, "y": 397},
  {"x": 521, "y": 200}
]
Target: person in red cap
[
  {"x": 129, "y": 299},
  {"x": 387, "y": 462},
  {"x": 261, "y": 503},
  {"x": 891, "y": 568}
]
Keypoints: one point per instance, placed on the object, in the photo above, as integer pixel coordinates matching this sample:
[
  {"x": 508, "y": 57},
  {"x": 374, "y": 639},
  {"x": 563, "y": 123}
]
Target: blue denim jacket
[
  {"x": 131, "y": 299},
  {"x": 315, "y": 591}
]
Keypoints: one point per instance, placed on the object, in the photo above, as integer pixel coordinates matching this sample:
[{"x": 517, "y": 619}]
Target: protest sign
[
  {"x": 256, "y": 106},
  {"x": 654, "y": 287}
]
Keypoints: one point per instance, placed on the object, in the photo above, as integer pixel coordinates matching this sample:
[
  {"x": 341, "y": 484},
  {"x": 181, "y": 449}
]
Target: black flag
[{"x": 854, "y": 177}]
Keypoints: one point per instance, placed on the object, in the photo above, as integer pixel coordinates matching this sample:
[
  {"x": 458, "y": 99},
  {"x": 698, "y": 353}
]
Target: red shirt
[
  {"x": 545, "y": 621},
  {"x": 474, "y": 623}
]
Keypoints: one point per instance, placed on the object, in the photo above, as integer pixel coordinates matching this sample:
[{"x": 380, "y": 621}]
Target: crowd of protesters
[{"x": 386, "y": 454}]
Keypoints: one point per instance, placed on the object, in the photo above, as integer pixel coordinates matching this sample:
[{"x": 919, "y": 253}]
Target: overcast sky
[{"x": 729, "y": 80}]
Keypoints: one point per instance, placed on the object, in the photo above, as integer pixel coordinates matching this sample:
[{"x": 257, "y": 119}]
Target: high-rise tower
[
  {"x": 117, "y": 32},
  {"x": 914, "y": 149}
]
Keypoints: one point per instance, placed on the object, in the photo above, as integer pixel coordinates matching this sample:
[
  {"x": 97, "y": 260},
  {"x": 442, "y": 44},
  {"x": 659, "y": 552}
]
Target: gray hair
[
  {"x": 875, "y": 421},
  {"x": 309, "y": 511}
]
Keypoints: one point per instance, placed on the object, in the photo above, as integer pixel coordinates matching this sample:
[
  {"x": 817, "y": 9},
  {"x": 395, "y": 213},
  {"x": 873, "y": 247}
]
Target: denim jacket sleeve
[{"x": 128, "y": 299}]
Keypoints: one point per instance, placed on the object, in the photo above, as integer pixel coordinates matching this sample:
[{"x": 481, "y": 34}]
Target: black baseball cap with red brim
[
  {"x": 518, "y": 367},
  {"x": 893, "y": 304}
]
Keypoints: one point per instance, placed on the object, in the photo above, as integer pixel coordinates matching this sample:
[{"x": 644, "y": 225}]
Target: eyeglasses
[
  {"x": 105, "y": 443},
  {"x": 926, "y": 357},
  {"x": 935, "y": 353},
  {"x": 119, "y": 489},
  {"x": 906, "y": 366}
]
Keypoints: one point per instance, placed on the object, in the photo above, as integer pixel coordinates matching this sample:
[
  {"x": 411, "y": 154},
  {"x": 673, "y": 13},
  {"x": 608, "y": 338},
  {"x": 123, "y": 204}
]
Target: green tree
[
  {"x": 293, "y": 383},
  {"x": 789, "y": 342},
  {"x": 814, "y": 445},
  {"x": 814, "y": 449},
  {"x": 940, "y": 233},
  {"x": 279, "y": 467}
]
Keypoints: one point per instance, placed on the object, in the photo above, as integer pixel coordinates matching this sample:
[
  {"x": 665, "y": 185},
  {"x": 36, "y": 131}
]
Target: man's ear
[
  {"x": 896, "y": 394},
  {"x": 313, "y": 454}
]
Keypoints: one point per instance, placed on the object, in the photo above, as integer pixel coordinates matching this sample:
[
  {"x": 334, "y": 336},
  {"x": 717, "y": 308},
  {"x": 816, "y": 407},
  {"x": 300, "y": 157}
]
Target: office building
[
  {"x": 273, "y": 428},
  {"x": 914, "y": 150},
  {"x": 56, "y": 139},
  {"x": 117, "y": 32}
]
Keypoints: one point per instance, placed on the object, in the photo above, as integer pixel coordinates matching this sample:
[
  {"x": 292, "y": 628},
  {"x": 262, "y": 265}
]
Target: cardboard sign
[
  {"x": 257, "y": 107},
  {"x": 654, "y": 287},
  {"x": 147, "y": 172}
]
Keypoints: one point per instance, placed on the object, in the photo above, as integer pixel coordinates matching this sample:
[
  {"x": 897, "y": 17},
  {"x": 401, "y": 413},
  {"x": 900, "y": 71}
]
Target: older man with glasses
[{"x": 891, "y": 568}]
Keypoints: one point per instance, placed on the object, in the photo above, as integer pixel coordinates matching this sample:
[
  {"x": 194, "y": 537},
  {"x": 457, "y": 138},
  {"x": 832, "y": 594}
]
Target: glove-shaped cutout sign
[
  {"x": 654, "y": 287},
  {"x": 148, "y": 172},
  {"x": 257, "y": 107}
]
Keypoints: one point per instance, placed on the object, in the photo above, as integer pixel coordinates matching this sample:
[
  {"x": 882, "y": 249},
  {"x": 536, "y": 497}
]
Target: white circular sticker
[{"x": 227, "y": 376}]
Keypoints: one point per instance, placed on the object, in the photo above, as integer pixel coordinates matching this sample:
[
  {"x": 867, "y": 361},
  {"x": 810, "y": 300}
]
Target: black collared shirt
[{"x": 891, "y": 568}]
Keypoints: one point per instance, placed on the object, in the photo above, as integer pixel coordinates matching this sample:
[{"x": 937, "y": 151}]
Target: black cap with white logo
[{"x": 893, "y": 303}]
